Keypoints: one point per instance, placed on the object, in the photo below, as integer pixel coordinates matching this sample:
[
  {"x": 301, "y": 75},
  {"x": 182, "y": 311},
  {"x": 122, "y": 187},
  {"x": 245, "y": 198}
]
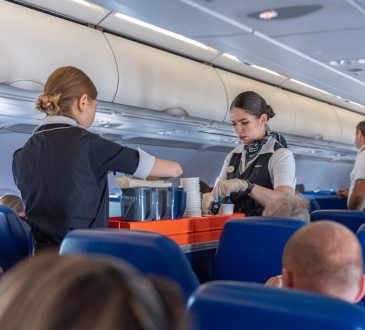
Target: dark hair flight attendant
[
  {"x": 62, "y": 170},
  {"x": 260, "y": 169}
]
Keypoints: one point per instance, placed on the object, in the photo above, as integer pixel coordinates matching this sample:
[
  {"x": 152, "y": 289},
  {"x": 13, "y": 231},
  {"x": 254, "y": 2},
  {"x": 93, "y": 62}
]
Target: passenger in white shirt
[{"x": 356, "y": 193}]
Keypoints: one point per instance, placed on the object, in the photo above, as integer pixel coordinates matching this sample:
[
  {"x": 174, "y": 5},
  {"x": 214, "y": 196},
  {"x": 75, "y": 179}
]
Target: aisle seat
[
  {"x": 329, "y": 202},
  {"x": 150, "y": 253},
  {"x": 237, "y": 305},
  {"x": 16, "y": 240},
  {"x": 250, "y": 249},
  {"x": 350, "y": 218}
]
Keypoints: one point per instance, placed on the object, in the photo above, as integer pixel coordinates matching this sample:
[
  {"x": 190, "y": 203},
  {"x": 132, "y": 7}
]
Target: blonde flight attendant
[{"x": 62, "y": 170}]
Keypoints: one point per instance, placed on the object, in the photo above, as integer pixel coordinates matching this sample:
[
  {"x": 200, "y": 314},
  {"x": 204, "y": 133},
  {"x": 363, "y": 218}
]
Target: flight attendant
[
  {"x": 261, "y": 169},
  {"x": 62, "y": 170}
]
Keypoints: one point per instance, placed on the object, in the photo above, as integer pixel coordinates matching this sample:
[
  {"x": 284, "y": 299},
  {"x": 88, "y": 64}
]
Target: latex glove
[
  {"x": 207, "y": 201},
  {"x": 275, "y": 282},
  {"x": 226, "y": 187}
]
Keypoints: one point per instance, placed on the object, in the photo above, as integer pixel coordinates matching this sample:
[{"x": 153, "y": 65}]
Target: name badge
[
  {"x": 258, "y": 165},
  {"x": 230, "y": 169}
]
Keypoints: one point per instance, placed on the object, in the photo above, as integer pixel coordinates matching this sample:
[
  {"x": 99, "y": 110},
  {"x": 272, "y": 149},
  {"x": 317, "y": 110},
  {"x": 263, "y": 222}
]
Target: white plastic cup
[{"x": 226, "y": 209}]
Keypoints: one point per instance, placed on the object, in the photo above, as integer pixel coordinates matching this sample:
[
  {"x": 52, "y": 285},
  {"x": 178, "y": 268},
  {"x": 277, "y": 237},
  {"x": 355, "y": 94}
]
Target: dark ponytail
[{"x": 253, "y": 104}]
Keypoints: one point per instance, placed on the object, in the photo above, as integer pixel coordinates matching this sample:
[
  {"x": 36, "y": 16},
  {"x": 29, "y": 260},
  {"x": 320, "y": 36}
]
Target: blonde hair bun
[{"x": 48, "y": 103}]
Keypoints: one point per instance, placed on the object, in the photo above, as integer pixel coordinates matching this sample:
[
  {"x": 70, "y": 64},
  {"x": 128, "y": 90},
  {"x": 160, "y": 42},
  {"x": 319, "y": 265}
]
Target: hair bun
[
  {"x": 269, "y": 111},
  {"x": 48, "y": 103}
]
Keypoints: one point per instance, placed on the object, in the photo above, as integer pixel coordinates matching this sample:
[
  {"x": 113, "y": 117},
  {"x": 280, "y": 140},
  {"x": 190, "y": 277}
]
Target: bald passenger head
[{"x": 324, "y": 257}]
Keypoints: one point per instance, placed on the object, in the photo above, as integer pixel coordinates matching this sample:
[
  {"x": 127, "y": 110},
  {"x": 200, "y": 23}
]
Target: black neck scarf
[{"x": 253, "y": 149}]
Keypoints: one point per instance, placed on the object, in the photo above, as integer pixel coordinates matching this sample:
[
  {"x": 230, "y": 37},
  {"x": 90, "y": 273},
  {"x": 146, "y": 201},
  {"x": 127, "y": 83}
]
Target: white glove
[
  {"x": 226, "y": 187},
  {"x": 207, "y": 201}
]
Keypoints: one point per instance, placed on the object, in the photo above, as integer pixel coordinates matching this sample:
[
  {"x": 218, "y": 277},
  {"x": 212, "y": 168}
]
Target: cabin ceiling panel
[
  {"x": 319, "y": 20},
  {"x": 141, "y": 33},
  {"x": 329, "y": 45},
  {"x": 171, "y": 15},
  {"x": 293, "y": 64}
]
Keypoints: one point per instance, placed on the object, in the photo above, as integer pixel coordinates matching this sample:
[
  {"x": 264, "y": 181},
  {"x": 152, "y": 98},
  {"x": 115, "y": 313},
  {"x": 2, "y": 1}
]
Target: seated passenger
[
  {"x": 323, "y": 257},
  {"x": 289, "y": 206},
  {"x": 15, "y": 203},
  {"x": 79, "y": 292}
]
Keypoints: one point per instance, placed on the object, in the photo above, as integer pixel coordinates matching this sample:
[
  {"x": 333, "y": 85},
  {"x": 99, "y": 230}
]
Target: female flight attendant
[
  {"x": 260, "y": 169},
  {"x": 62, "y": 170}
]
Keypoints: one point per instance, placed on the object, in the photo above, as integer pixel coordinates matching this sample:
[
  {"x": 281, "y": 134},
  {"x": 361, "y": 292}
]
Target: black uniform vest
[{"x": 258, "y": 173}]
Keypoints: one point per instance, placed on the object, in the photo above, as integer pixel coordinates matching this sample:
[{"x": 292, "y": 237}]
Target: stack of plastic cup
[{"x": 193, "y": 197}]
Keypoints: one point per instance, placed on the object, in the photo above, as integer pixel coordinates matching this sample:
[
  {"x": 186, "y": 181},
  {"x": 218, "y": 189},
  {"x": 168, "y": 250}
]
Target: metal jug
[{"x": 139, "y": 204}]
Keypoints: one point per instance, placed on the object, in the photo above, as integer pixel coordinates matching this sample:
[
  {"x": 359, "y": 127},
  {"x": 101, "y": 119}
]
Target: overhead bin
[
  {"x": 349, "y": 121},
  {"x": 284, "y": 119},
  {"x": 34, "y": 44},
  {"x": 153, "y": 79},
  {"x": 314, "y": 119}
]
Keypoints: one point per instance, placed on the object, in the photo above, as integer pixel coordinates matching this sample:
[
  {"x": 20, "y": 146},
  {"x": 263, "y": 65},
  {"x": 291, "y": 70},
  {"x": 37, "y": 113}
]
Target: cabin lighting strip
[
  {"x": 309, "y": 86},
  {"x": 163, "y": 31},
  {"x": 90, "y": 5},
  {"x": 231, "y": 57},
  {"x": 266, "y": 70}
]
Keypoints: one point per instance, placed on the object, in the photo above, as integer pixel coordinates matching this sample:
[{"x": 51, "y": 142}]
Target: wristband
[{"x": 250, "y": 186}]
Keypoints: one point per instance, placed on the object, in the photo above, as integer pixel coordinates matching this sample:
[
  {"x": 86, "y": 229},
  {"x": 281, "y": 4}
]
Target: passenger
[
  {"x": 15, "y": 203},
  {"x": 289, "y": 206},
  {"x": 323, "y": 257},
  {"x": 261, "y": 169},
  {"x": 79, "y": 292},
  {"x": 356, "y": 193},
  {"x": 62, "y": 170}
]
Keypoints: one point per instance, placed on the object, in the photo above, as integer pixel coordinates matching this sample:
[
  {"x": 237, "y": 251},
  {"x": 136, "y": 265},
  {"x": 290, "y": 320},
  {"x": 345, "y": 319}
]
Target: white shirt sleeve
[
  {"x": 145, "y": 164},
  {"x": 282, "y": 168},
  {"x": 360, "y": 166}
]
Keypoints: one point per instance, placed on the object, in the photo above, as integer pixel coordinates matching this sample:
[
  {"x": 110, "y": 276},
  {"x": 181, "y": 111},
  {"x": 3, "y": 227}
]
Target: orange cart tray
[{"x": 182, "y": 231}]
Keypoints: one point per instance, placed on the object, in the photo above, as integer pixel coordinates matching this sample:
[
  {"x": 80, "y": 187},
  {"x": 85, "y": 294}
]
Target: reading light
[
  {"x": 268, "y": 14},
  {"x": 163, "y": 31}
]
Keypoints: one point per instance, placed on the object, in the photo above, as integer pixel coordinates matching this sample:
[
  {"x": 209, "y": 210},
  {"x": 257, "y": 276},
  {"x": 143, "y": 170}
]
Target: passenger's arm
[
  {"x": 165, "y": 169},
  {"x": 357, "y": 198}
]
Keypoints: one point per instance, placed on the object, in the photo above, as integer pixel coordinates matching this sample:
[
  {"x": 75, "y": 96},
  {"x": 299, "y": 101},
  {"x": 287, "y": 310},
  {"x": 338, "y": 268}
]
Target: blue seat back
[
  {"x": 235, "y": 306},
  {"x": 330, "y": 202},
  {"x": 349, "y": 218},
  {"x": 251, "y": 249},
  {"x": 150, "y": 253},
  {"x": 15, "y": 238}
]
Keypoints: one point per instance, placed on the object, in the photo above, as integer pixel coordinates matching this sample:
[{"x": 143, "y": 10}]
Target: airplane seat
[
  {"x": 352, "y": 219},
  {"x": 250, "y": 249},
  {"x": 16, "y": 242},
  {"x": 150, "y": 253},
  {"x": 313, "y": 205},
  {"x": 238, "y": 305},
  {"x": 331, "y": 202}
]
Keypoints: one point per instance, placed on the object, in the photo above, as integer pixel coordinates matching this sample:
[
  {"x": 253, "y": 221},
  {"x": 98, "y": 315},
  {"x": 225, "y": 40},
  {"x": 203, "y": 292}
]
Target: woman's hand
[
  {"x": 207, "y": 201},
  {"x": 275, "y": 282},
  {"x": 226, "y": 187}
]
